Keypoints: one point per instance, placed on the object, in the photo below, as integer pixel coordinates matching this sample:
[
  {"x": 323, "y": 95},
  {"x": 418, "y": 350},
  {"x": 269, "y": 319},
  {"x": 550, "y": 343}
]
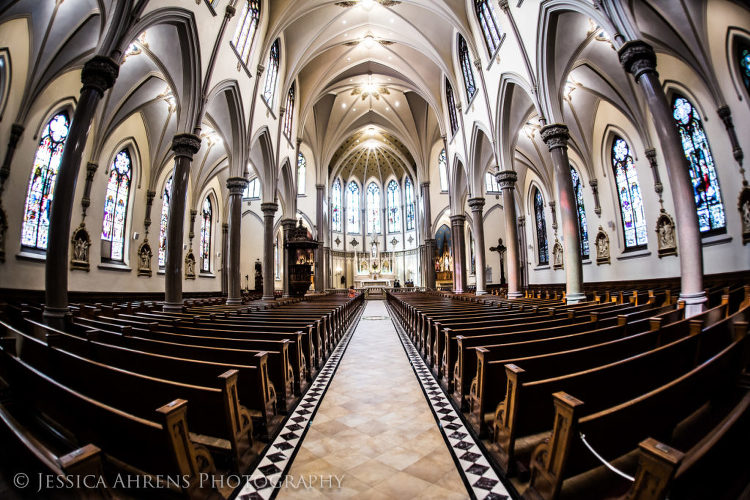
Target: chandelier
[{"x": 370, "y": 89}]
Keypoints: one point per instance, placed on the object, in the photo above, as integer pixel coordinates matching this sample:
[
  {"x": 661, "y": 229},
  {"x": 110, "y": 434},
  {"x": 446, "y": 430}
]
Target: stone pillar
[
  {"x": 319, "y": 259},
  {"x": 184, "y": 147},
  {"x": 269, "y": 210},
  {"x": 98, "y": 75},
  {"x": 638, "y": 58},
  {"x": 326, "y": 268},
  {"x": 236, "y": 186},
  {"x": 555, "y": 136},
  {"x": 429, "y": 241},
  {"x": 224, "y": 262},
  {"x": 459, "y": 253},
  {"x": 477, "y": 206},
  {"x": 287, "y": 260},
  {"x": 523, "y": 259},
  {"x": 506, "y": 179}
]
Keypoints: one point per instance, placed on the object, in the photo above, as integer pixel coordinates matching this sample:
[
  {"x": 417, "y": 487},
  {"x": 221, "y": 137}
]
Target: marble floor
[{"x": 374, "y": 435}]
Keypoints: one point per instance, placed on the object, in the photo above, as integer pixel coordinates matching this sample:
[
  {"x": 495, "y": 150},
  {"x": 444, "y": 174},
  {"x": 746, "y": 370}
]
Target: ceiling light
[
  {"x": 343, "y": 105},
  {"x": 368, "y": 42},
  {"x": 367, "y": 4},
  {"x": 372, "y": 144},
  {"x": 343, "y": 21},
  {"x": 387, "y": 108},
  {"x": 371, "y": 131},
  {"x": 392, "y": 19},
  {"x": 396, "y": 104}
]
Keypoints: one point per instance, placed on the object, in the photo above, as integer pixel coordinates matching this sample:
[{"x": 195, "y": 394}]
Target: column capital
[
  {"x": 225, "y": 227},
  {"x": 425, "y": 185},
  {"x": 99, "y": 73},
  {"x": 150, "y": 195},
  {"x": 503, "y": 4},
  {"x": 506, "y": 179},
  {"x": 288, "y": 223},
  {"x": 555, "y": 135},
  {"x": 269, "y": 208},
  {"x": 259, "y": 70},
  {"x": 236, "y": 185},
  {"x": 282, "y": 111},
  {"x": 476, "y": 204},
  {"x": 15, "y": 133},
  {"x": 320, "y": 187},
  {"x": 593, "y": 183},
  {"x": 458, "y": 219},
  {"x": 91, "y": 170},
  {"x": 637, "y": 57},
  {"x": 521, "y": 220},
  {"x": 186, "y": 145},
  {"x": 229, "y": 12}
]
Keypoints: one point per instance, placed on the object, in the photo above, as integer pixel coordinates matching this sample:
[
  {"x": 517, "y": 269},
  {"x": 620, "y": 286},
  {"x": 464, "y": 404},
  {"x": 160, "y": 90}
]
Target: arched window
[
  {"x": 451, "y": 107},
  {"x": 163, "y": 221},
  {"x": 42, "y": 183},
  {"x": 206, "y": 221},
  {"x": 301, "y": 173},
  {"x": 272, "y": 73},
  {"x": 394, "y": 208},
  {"x": 246, "y": 27},
  {"x": 487, "y": 20},
  {"x": 629, "y": 191},
  {"x": 443, "y": 171},
  {"x": 336, "y": 206},
  {"x": 410, "y": 207},
  {"x": 541, "y": 228},
  {"x": 583, "y": 230},
  {"x": 373, "y": 208},
  {"x": 490, "y": 183},
  {"x": 116, "y": 207},
  {"x": 252, "y": 190},
  {"x": 352, "y": 204},
  {"x": 743, "y": 59},
  {"x": 702, "y": 171},
  {"x": 466, "y": 69},
  {"x": 289, "y": 114}
]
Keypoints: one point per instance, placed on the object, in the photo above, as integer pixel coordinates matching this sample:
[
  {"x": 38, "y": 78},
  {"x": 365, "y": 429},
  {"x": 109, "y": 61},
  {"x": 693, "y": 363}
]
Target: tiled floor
[{"x": 374, "y": 430}]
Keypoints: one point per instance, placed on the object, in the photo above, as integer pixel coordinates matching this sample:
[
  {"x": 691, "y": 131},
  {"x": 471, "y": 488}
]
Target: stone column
[
  {"x": 459, "y": 253},
  {"x": 236, "y": 186},
  {"x": 224, "y": 262},
  {"x": 477, "y": 206},
  {"x": 98, "y": 75},
  {"x": 288, "y": 225},
  {"x": 319, "y": 259},
  {"x": 638, "y": 58},
  {"x": 269, "y": 210},
  {"x": 523, "y": 254},
  {"x": 555, "y": 136},
  {"x": 184, "y": 147},
  {"x": 506, "y": 179},
  {"x": 429, "y": 241}
]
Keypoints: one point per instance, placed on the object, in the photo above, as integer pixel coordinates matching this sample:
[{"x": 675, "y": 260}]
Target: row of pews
[
  {"x": 190, "y": 394},
  {"x": 568, "y": 397}
]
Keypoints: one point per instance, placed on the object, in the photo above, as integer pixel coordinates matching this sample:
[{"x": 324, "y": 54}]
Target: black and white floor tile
[{"x": 475, "y": 468}]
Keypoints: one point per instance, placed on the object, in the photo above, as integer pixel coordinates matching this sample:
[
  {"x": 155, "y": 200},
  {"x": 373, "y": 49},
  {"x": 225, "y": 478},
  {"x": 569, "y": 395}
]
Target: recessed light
[
  {"x": 343, "y": 105},
  {"x": 396, "y": 103},
  {"x": 387, "y": 108},
  {"x": 343, "y": 21}
]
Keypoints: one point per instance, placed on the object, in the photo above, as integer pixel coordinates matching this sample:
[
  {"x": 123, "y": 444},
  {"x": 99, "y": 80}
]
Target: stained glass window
[
  {"x": 487, "y": 20},
  {"x": 289, "y": 113},
  {"x": 246, "y": 27},
  {"x": 252, "y": 190},
  {"x": 743, "y": 59},
  {"x": 629, "y": 192},
  {"x": 451, "y": 107},
  {"x": 466, "y": 69},
  {"x": 336, "y": 206},
  {"x": 490, "y": 183},
  {"x": 301, "y": 173},
  {"x": 272, "y": 73},
  {"x": 702, "y": 171},
  {"x": 410, "y": 208},
  {"x": 206, "y": 219},
  {"x": 116, "y": 207},
  {"x": 541, "y": 228},
  {"x": 394, "y": 208},
  {"x": 352, "y": 206},
  {"x": 373, "y": 208},
  {"x": 42, "y": 183},
  {"x": 583, "y": 231},
  {"x": 163, "y": 222},
  {"x": 443, "y": 170}
]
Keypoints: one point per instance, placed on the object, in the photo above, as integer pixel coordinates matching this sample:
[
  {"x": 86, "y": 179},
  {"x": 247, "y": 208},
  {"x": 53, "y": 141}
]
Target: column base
[
  {"x": 268, "y": 297},
  {"x": 55, "y": 316},
  {"x": 694, "y": 303},
  {"x": 575, "y": 298},
  {"x": 173, "y": 306},
  {"x": 515, "y": 295},
  {"x": 233, "y": 302},
  {"x": 480, "y": 292}
]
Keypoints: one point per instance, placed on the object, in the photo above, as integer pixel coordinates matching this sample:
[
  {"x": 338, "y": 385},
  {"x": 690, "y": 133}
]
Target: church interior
[{"x": 374, "y": 249}]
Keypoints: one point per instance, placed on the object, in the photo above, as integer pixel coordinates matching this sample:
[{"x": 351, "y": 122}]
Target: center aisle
[{"x": 374, "y": 430}]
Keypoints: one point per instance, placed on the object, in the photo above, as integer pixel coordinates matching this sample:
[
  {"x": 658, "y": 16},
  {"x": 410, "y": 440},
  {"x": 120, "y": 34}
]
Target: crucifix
[{"x": 500, "y": 248}]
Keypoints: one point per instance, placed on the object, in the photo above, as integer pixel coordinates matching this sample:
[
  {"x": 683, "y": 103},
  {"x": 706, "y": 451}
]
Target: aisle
[{"x": 374, "y": 431}]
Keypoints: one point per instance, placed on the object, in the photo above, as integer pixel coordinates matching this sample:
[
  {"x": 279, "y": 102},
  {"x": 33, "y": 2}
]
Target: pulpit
[{"x": 300, "y": 247}]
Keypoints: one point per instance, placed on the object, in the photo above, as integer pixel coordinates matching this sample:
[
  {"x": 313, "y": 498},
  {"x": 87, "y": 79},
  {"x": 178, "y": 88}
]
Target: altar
[
  {"x": 366, "y": 282},
  {"x": 374, "y": 269}
]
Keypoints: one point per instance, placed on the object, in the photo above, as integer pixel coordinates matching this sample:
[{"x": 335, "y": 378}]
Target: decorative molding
[
  {"x": 637, "y": 57},
  {"x": 99, "y": 74},
  {"x": 186, "y": 145},
  {"x": 506, "y": 179},
  {"x": 555, "y": 135}
]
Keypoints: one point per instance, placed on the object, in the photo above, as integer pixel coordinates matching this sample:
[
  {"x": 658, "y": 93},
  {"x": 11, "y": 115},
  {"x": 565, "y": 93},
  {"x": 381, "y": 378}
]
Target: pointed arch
[
  {"x": 272, "y": 73},
  {"x": 207, "y": 223},
  {"x": 352, "y": 207},
  {"x": 629, "y": 193},
  {"x": 466, "y": 70}
]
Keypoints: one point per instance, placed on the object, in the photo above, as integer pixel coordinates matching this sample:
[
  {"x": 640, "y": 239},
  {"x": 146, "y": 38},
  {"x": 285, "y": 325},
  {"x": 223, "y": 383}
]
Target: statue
[
  {"x": 557, "y": 255},
  {"x": 744, "y": 206},
  {"x": 81, "y": 244},
  {"x": 144, "y": 259},
  {"x": 665, "y": 234},
  {"x": 190, "y": 265},
  {"x": 500, "y": 249},
  {"x": 602, "y": 247}
]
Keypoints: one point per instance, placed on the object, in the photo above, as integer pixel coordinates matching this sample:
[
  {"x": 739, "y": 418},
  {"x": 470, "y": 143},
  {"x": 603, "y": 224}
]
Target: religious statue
[
  {"x": 744, "y": 206},
  {"x": 602, "y": 247},
  {"x": 665, "y": 234},
  {"x": 363, "y": 266},
  {"x": 557, "y": 255},
  {"x": 144, "y": 259},
  {"x": 386, "y": 266},
  {"x": 500, "y": 249},
  {"x": 81, "y": 244},
  {"x": 190, "y": 265}
]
